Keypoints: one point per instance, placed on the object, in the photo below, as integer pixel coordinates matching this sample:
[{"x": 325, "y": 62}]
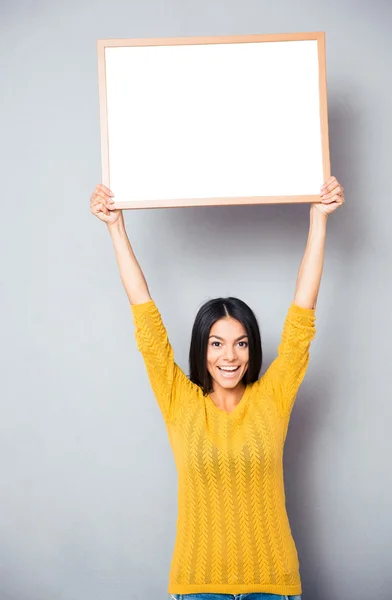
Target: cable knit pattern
[{"x": 233, "y": 533}]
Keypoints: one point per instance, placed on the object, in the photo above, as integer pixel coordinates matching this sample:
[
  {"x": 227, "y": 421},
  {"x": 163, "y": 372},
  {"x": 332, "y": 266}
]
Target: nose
[{"x": 230, "y": 354}]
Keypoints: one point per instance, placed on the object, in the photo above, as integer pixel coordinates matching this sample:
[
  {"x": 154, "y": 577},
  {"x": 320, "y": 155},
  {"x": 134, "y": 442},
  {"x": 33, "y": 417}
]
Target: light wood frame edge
[
  {"x": 103, "y": 113},
  {"x": 324, "y": 105},
  {"x": 188, "y": 202}
]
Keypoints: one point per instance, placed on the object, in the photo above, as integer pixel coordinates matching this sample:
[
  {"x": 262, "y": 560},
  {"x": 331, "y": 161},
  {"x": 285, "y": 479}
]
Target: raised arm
[
  {"x": 135, "y": 285},
  {"x": 311, "y": 269},
  {"x": 168, "y": 382},
  {"x": 286, "y": 373}
]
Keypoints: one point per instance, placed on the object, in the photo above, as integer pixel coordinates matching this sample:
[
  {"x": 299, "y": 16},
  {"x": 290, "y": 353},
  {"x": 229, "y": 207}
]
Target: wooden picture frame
[{"x": 221, "y": 120}]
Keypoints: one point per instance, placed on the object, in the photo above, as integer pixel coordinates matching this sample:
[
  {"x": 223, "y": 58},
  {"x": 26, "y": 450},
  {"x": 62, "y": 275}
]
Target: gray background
[{"x": 88, "y": 484}]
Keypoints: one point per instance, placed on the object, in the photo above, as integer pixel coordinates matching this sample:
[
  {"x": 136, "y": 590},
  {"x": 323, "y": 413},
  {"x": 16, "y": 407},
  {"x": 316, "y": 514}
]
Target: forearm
[
  {"x": 311, "y": 269},
  {"x": 130, "y": 272}
]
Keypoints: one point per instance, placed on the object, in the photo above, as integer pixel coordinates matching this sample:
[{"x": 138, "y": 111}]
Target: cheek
[
  {"x": 244, "y": 354},
  {"x": 212, "y": 355},
  {"x": 245, "y": 358}
]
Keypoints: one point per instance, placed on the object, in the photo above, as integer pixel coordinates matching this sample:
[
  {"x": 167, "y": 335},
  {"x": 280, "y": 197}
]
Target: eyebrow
[{"x": 222, "y": 339}]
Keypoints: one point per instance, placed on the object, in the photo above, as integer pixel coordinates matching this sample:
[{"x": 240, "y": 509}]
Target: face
[{"x": 227, "y": 353}]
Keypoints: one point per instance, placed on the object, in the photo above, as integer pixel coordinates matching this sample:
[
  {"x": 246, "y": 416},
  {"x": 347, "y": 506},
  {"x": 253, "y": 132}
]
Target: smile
[{"x": 228, "y": 371}]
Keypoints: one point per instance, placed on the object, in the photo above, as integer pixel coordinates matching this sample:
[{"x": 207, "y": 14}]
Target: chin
[{"x": 228, "y": 384}]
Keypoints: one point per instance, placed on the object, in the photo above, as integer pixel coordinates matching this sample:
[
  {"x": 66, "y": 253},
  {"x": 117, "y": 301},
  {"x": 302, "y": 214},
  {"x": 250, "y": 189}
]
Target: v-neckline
[{"x": 238, "y": 407}]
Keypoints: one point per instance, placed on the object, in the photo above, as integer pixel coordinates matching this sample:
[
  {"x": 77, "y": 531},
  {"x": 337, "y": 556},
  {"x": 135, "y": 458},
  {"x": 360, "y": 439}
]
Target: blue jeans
[{"x": 253, "y": 596}]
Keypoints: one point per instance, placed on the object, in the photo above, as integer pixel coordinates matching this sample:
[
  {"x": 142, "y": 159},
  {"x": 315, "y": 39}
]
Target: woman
[{"x": 226, "y": 426}]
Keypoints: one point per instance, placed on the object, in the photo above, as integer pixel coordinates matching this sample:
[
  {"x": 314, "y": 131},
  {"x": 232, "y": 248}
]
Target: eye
[
  {"x": 215, "y": 344},
  {"x": 243, "y": 344}
]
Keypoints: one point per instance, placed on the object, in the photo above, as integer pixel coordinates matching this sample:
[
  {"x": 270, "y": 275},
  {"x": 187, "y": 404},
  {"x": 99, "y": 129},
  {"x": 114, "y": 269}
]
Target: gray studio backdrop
[{"x": 88, "y": 484}]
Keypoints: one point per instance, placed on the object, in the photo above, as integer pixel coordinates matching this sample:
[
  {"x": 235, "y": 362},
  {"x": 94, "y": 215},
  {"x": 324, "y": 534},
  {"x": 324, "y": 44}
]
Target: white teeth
[{"x": 228, "y": 372}]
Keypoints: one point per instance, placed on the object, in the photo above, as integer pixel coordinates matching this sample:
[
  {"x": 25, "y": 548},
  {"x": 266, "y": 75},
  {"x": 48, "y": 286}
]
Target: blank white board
[{"x": 232, "y": 120}]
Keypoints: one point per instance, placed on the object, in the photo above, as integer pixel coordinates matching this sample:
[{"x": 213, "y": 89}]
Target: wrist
[
  {"x": 117, "y": 227},
  {"x": 318, "y": 215}
]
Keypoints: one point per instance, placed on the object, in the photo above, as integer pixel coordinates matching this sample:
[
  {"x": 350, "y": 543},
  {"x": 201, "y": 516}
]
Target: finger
[
  {"x": 330, "y": 186},
  {"x": 328, "y": 182},
  {"x": 333, "y": 199},
  {"x": 108, "y": 207},
  {"x": 335, "y": 191},
  {"x": 96, "y": 208},
  {"x": 100, "y": 208},
  {"x": 101, "y": 195},
  {"x": 98, "y": 200},
  {"x": 105, "y": 189}
]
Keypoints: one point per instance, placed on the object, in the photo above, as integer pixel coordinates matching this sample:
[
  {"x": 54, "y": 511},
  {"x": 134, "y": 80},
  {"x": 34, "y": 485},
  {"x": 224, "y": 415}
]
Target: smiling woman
[
  {"x": 227, "y": 426},
  {"x": 225, "y": 353}
]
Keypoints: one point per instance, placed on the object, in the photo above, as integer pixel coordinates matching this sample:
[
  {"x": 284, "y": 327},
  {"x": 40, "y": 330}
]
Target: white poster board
[{"x": 228, "y": 120}]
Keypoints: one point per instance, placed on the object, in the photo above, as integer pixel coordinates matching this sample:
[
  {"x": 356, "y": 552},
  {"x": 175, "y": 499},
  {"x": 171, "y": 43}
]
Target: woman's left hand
[{"x": 331, "y": 197}]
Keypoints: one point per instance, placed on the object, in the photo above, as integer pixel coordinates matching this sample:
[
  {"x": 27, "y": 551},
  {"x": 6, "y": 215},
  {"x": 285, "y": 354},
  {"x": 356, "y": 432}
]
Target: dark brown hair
[{"x": 208, "y": 314}]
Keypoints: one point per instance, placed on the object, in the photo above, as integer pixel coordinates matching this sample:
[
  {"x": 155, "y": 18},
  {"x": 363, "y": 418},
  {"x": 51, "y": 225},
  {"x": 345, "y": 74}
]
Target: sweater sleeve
[
  {"x": 287, "y": 371},
  {"x": 167, "y": 380}
]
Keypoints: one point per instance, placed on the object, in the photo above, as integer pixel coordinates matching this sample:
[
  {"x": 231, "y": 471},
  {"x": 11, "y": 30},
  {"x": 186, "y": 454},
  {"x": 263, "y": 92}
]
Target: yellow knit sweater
[{"x": 233, "y": 534}]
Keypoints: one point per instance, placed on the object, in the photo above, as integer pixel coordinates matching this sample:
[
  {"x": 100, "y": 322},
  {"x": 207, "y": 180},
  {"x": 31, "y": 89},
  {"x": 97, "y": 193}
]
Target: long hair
[{"x": 208, "y": 314}]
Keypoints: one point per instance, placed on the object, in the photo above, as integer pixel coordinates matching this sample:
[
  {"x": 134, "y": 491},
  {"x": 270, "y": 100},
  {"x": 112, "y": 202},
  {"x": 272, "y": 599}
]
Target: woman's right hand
[{"x": 101, "y": 205}]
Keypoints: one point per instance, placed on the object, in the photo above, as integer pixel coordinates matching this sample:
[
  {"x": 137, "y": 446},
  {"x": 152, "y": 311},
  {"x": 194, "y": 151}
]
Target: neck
[{"x": 227, "y": 399}]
